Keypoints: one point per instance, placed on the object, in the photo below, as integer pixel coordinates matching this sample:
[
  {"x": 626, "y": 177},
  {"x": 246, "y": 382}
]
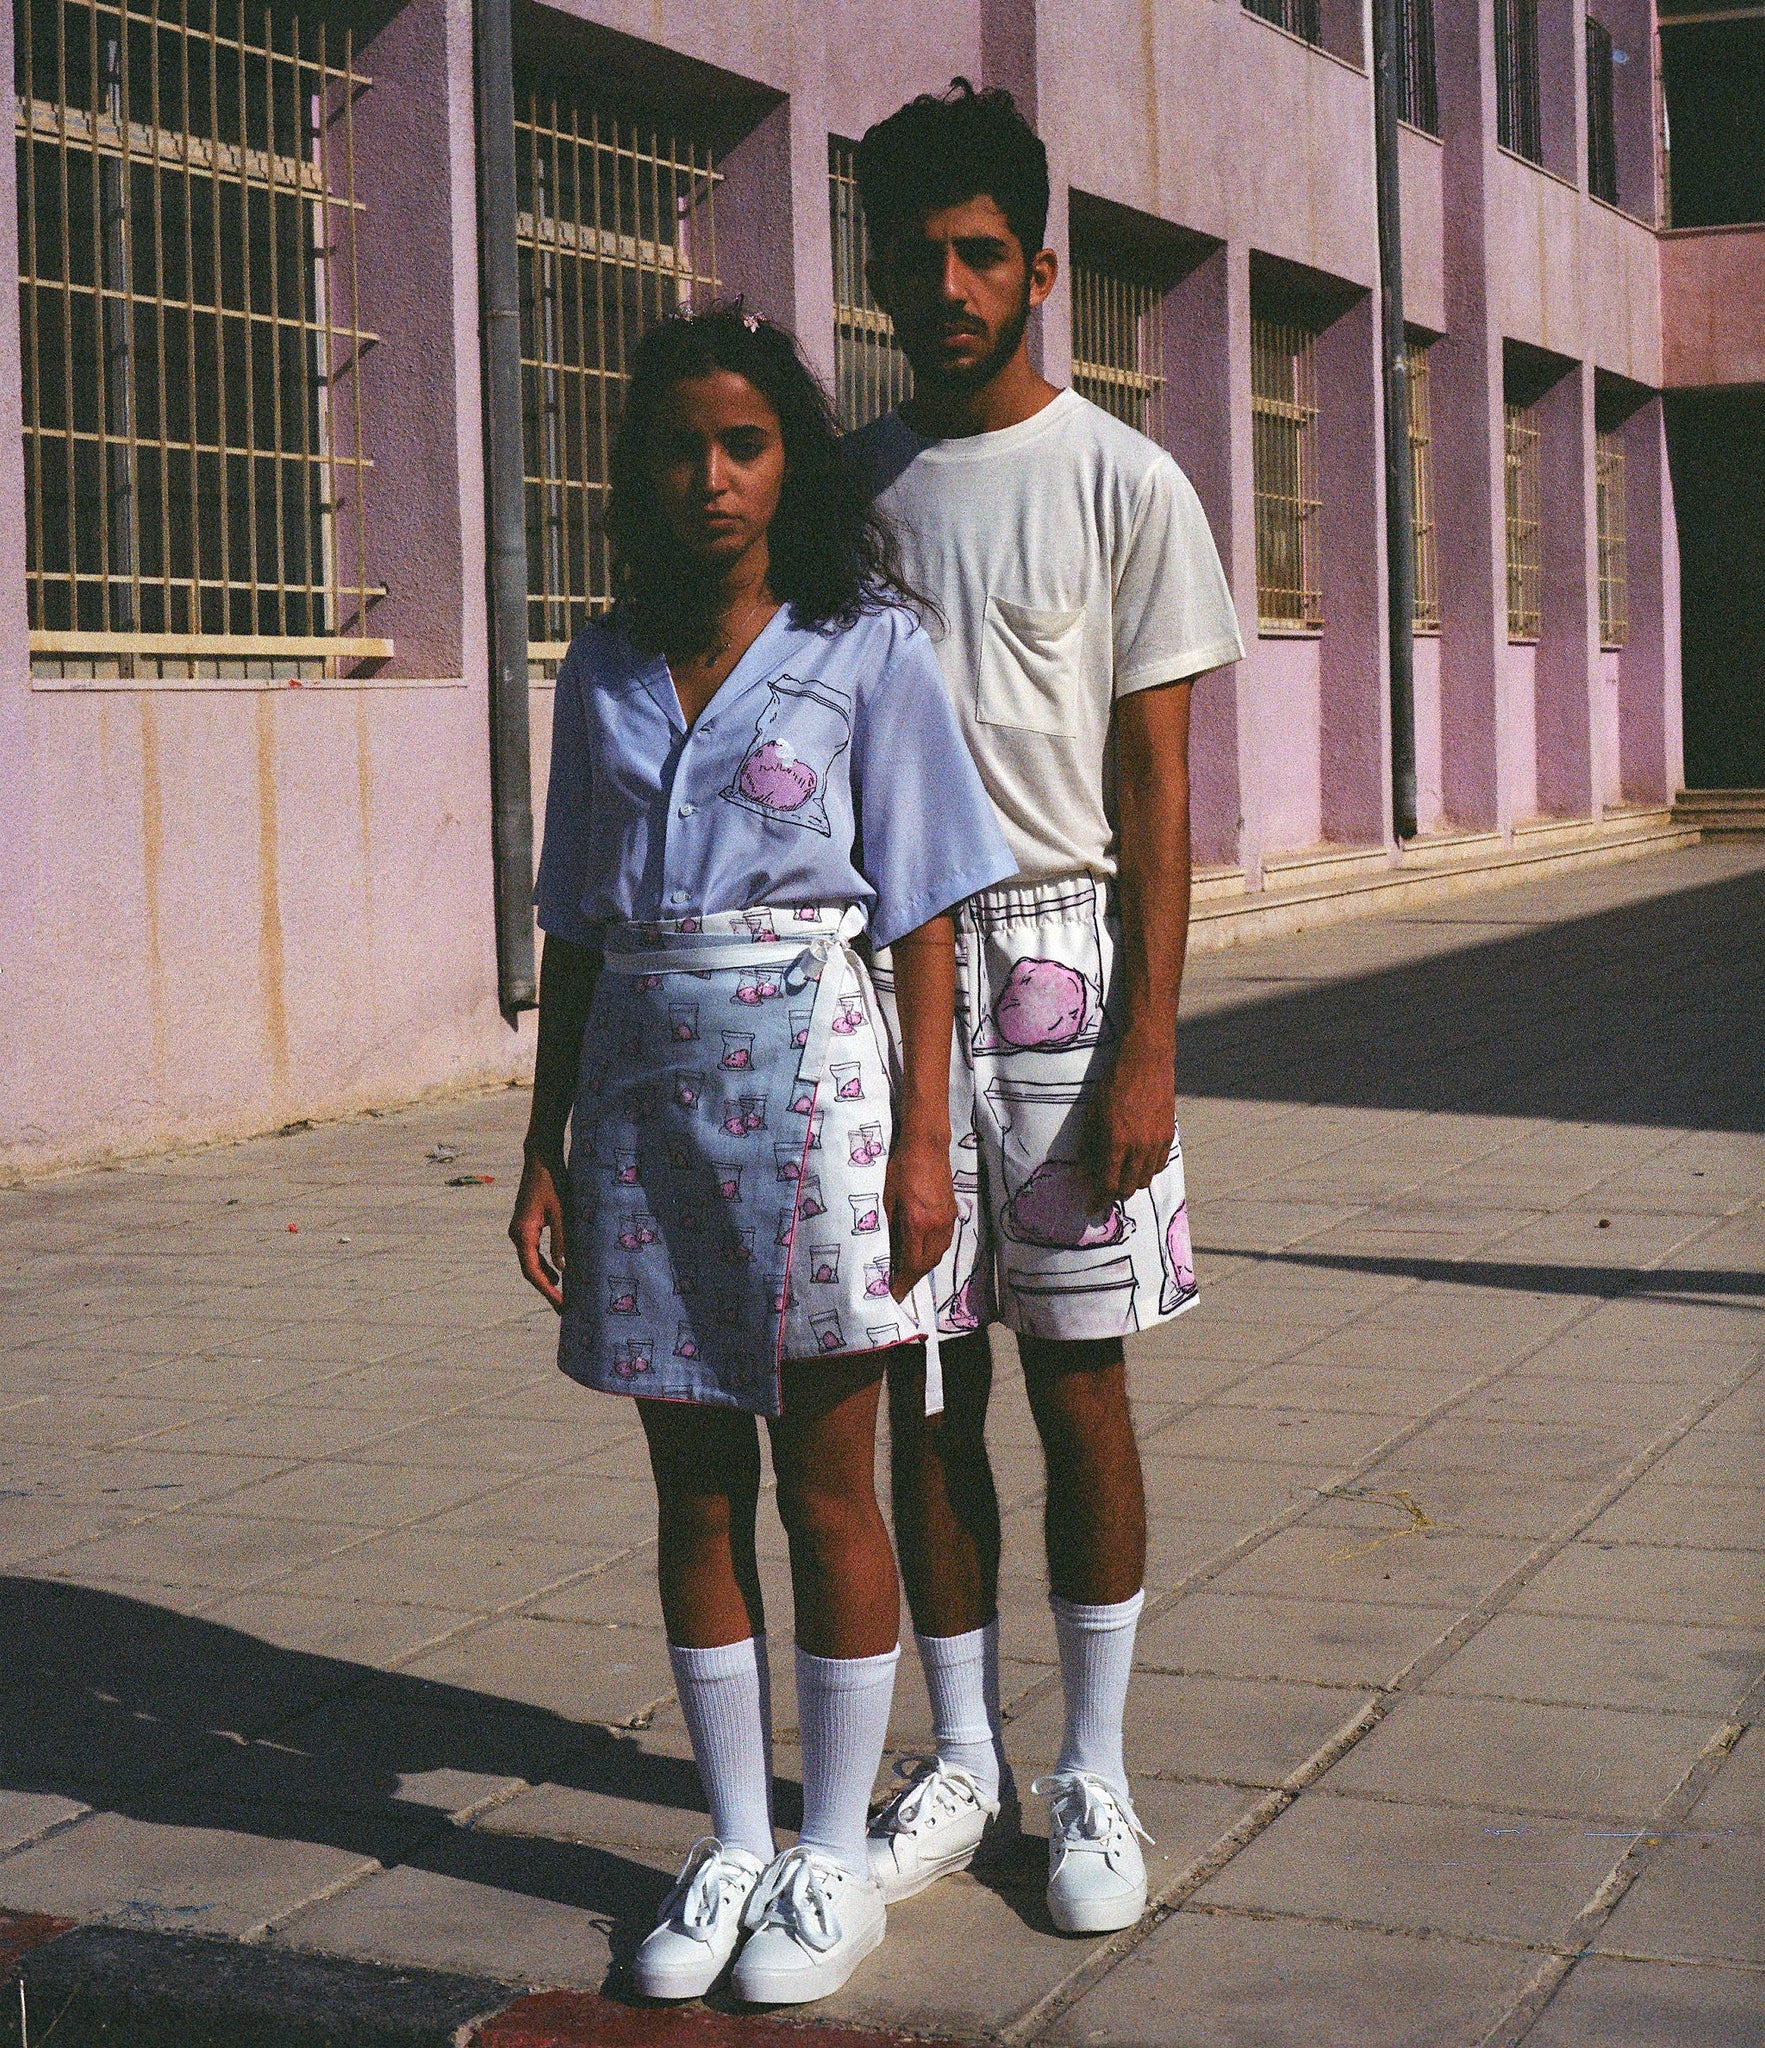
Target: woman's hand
[
  {"x": 539, "y": 1213},
  {"x": 920, "y": 1203}
]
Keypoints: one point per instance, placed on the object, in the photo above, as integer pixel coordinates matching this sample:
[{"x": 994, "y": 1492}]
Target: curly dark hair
[
  {"x": 833, "y": 554},
  {"x": 943, "y": 148}
]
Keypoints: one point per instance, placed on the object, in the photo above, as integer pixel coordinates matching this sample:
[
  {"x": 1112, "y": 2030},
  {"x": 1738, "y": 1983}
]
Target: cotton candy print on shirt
[
  {"x": 826, "y": 770},
  {"x": 1034, "y": 1039}
]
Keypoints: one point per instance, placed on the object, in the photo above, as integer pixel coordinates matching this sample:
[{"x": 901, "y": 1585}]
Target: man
[{"x": 1082, "y": 596}]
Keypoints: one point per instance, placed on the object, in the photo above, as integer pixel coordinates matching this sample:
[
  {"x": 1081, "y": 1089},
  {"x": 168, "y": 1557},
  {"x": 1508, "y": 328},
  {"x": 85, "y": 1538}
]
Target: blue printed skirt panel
[{"x": 726, "y": 1203}]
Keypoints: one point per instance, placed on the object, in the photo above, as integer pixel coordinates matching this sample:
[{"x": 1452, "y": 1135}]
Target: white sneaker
[
  {"x": 811, "y": 1923},
  {"x": 937, "y": 1823},
  {"x": 700, "y": 1923},
  {"x": 1096, "y": 1874}
]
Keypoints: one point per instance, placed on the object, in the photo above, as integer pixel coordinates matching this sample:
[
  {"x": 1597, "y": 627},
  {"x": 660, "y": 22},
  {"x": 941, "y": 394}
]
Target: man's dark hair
[
  {"x": 833, "y": 554},
  {"x": 943, "y": 148}
]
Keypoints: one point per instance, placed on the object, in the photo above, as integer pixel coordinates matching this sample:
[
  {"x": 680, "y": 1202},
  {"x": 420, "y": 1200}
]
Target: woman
[{"x": 753, "y": 758}]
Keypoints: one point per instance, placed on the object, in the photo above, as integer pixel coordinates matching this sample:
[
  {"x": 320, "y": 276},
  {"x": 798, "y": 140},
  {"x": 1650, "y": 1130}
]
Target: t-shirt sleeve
[
  {"x": 563, "y": 858},
  {"x": 927, "y": 833},
  {"x": 1174, "y": 615}
]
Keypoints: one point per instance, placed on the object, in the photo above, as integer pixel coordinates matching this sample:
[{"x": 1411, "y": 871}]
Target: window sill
[
  {"x": 1544, "y": 170},
  {"x": 1275, "y": 630},
  {"x": 1299, "y": 42}
]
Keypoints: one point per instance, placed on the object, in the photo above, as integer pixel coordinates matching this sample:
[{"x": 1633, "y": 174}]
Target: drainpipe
[
  {"x": 499, "y": 287},
  {"x": 1400, "y": 531}
]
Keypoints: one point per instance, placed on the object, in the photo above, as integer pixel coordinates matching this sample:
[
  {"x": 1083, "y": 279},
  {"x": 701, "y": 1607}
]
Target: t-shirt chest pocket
[{"x": 1031, "y": 668}]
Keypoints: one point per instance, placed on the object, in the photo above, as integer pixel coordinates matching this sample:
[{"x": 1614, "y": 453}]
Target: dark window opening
[
  {"x": 1297, "y": 17},
  {"x": 1713, "y": 77},
  {"x": 1602, "y": 129},
  {"x": 1418, "y": 100},
  {"x": 1517, "y": 124}
]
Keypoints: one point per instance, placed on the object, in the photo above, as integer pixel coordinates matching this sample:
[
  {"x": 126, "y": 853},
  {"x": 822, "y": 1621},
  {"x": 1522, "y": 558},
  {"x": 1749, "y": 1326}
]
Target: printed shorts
[{"x": 1036, "y": 1026}]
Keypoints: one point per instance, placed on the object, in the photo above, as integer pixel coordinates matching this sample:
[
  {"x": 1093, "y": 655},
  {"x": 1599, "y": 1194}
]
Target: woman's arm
[
  {"x": 568, "y": 974},
  {"x": 917, "y": 1195}
]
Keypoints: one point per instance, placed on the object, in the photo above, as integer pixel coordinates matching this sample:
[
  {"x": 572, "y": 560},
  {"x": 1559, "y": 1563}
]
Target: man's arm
[{"x": 1135, "y": 1117}]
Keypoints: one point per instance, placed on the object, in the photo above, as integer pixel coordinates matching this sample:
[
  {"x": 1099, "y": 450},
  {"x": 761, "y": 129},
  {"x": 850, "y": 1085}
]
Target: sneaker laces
[
  {"x": 697, "y": 1899},
  {"x": 933, "y": 1787},
  {"x": 796, "y": 1894},
  {"x": 1088, "y": 1807}
]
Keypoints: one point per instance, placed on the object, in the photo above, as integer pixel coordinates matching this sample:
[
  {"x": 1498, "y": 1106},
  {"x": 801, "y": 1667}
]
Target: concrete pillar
[
  {"x": 1354, "y": 671},
  {"x": 1568, "y": 666},
  {"x": 1238, "y": 549},
  {"x": 1649, "y": 768},
  {"x": 1196, "y": 319}
]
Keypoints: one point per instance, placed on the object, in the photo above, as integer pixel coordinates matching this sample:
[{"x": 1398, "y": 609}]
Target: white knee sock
[
  {"x": 843, "y": 1711},
  {"x": 726, "y": 1697},
  {"x": 962, "y": 1677},
  {"x": 1096, "y": 1661}
]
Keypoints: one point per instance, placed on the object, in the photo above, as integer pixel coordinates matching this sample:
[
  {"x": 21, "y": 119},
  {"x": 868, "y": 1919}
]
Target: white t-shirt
[{"x": 1073, "y": 564}]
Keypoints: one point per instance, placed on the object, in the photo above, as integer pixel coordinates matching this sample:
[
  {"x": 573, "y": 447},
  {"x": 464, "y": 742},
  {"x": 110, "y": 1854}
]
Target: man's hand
[
  {"x": 539, "y": 1213},
  {"x": 1133, "y": 1123},
  {"x": 920, "y": 1203}
]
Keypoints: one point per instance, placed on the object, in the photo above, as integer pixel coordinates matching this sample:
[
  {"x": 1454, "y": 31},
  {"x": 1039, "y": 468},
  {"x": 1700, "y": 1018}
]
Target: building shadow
[{"x": 1652, "y": 1013}]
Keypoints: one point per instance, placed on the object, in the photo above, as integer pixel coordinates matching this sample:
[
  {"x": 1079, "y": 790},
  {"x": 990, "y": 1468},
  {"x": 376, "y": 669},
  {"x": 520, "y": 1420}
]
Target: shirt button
[
  {"x": 686, "y": 810},
  {"x": 679, "y": 896}
]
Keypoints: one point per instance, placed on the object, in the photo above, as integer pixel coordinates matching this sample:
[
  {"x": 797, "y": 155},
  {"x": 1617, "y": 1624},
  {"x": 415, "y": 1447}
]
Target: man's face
[{"x": 959, "y": 289}]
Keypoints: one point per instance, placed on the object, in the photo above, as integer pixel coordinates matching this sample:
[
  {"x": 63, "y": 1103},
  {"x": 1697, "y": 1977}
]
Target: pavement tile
[
  {"x": 1565, "y": 1760},
  {"x": 335, "y": 1490},
  {"x": 1622, "y": 1664},
  {"x": 1424, "y": 1561},
  {"x": 433, "y": 1568},
  {"x": 1711, "y": 1457},
  {"x": 171, "y": 1867},
  {"x": 269, "y": 1429},
  {"x": 570, "y": 1668},
  {"x": 1700, "y": 1895},
  {"x": 1304, "y": 1382},
  {"x": 1611, "y": 2003},
  {"x": 1723, "y": 1588},
  {"x": 504, "y": 1906},
  {"x": 1500, "y": 1504},
  {"x": 557, "y": 1507},
  {"x": 1247, "y": 1732},
  {"x": 193, "y": 1548},
  {"x": 487, "y": 1444},
  {"x": 26, "y": 1815},
  {"x": 361, "y": 1631},
  {"x": 1706, "y": 1517},
  {"x": 1541, "y": 1450},
  {"x": 1309, "y": 1642},
  {"x": 1212, "y": 1980},
  {"x": 1623, "y": 1404},
  {"x": 1397, "y": 1863}
]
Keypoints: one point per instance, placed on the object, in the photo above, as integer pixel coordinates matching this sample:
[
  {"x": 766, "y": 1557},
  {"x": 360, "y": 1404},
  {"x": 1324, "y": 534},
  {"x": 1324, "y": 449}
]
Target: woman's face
[{"x": 718, "y": 464}]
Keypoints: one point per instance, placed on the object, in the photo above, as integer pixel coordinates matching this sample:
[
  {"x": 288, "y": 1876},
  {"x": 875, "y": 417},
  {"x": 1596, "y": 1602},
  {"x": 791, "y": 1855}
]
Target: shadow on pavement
[
  {"x": 1652, "y": 1013},
  {"x": 143, "y": 1712}
]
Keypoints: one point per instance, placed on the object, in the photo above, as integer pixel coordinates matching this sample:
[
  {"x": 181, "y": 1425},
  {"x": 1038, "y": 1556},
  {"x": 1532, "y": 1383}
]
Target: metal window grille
[
  {"x": 1418, "y": 100},
  {"x": 1523, "y": 468},
  {"x": 1118, "y": 347},
  {"x": 1602, "y": 133},
  {"x": 1421, "y": 440},
  {"x": 1297, "y": 17},
  {"x": 1284, "y": 446},
  {"x": 1517, "y": 123},
  {"x": 616, "y": 227},
  {"x": 194, "y": 474},
  {"x": 871, "y": 376},
  {"x": 1608, "y": 475}
]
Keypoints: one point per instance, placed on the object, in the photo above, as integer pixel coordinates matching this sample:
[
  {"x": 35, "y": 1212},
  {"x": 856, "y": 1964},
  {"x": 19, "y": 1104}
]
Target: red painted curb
[
  {"x": 584, "y": 2019},
  {"x": 22, "y": 1932}
]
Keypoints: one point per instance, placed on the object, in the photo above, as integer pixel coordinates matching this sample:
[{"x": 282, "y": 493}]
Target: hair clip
[{"x": 751, "y": 321}]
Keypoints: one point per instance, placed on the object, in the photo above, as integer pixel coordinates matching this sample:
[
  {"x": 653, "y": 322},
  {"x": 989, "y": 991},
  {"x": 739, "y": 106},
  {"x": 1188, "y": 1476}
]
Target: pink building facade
[{"x": 250, "y": 870}]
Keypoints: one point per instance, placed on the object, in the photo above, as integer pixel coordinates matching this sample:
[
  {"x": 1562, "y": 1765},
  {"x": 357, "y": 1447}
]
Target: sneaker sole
[
  {"x": 802, "y": 1987},
  {"x": 676, "y": 1983},
  {"x": 893, "y": 1894},
  {"x": 1096, "y": 1916}
]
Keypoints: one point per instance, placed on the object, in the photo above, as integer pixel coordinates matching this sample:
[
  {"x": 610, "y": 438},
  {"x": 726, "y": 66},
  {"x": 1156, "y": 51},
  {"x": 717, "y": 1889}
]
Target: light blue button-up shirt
[{"x": 827, "y": 769}]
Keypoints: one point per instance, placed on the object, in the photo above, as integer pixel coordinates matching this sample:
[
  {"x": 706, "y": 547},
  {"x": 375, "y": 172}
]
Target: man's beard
[{"x": 972, "y": 377}]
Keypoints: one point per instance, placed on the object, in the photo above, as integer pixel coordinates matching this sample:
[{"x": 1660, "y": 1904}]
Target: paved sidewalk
[{"x": 329, "y": 1622}]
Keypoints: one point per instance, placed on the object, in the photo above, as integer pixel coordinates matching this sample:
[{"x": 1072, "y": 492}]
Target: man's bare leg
[{"x": 946, "y": 1508}]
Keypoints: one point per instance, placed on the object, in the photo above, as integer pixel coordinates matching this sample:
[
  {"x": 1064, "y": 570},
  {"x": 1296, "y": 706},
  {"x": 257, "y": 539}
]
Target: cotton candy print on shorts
[
  {"x": 1035, "y": 1034},
  {"x": 727, "y": 1205}
]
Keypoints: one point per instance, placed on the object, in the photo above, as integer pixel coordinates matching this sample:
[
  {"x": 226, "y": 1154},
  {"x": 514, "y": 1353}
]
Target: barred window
[
  {"x": 1118, "y": 347},
  {"x": 1517, "y": 122},
  {"x": 194, "y": 474},
  {"x": 1608, "y": 477},
  {"x": 871, "y": 376},
  {"x": 1297, "y": 17},
  {"x": 1523, "y": 470},
  {"x": 1284, "y": 446},
  {"x": 1421, "y": 439},
  {"x": 616, "y": 228},
  {"x": 1418, "y": 100},
  {"x": 1602, "y": 133}
]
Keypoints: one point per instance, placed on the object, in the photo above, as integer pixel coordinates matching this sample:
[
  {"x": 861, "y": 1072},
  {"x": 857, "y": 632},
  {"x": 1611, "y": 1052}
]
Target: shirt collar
[{"x": 760, "y": 661}]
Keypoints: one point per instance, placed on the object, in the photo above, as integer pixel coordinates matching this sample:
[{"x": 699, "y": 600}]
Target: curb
[{"x": 121, "y": 1987}]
